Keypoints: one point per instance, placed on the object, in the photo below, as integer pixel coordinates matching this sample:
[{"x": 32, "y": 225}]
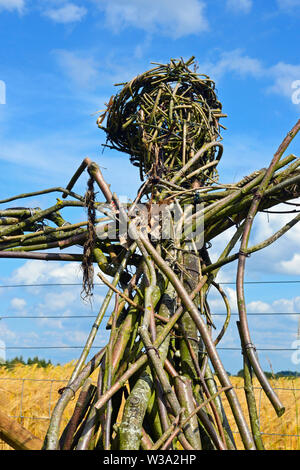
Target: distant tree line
[
  {"x": 11, "y": 363},
  {"x": 277, "y": 375}
]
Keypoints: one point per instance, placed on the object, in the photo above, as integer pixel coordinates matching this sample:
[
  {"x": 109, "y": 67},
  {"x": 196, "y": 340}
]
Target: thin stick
[
  {"x": 77, "y": 174},
  {"x": 41, "y": 256},
  {"x": 245, "y": 333},
  {"x": 121, "y": 294},
  {"x": 59, "y": 189},
  {"x": 170, "y": 435},
  {"x": 109, "y": 375},
  {"x": 51, "y": 439},
  {"x": 223, "y": 377}
]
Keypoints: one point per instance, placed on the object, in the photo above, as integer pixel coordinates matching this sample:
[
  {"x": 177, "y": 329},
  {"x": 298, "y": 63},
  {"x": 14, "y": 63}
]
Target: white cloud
[
  {"x": 233, "y": 61},
  {"x": 278, "y": 306},
  {"x": 73, "y": 144},
  {"x": 280, "y": 77},
  {"x": 69, "y": 13},
  {"x": 40, "y": 272},
  {"x": 280, "y": 258},
  {"x": 172, "y": 18},
  {"x": 259, "y": 306},
  {"x": 283, "y": 255},
  {"x": 6, "y": 334},
  {"x": 287, "y": 305},
  {"x": 79, "y": 337},
  {"x": 216, "y": 302},
  {"x": 82, "y": 69},
  {"x": 291, "y": 266},
  {"x": 49, "y": 147},
  {"x": 267, "y": 225},
  {"x": 284, "y": 76},
  {"x": 239, "y": 6},
  {"x": 37, "y": 272},
  {"x": 11, "y": 5},
  {"x": 18, "y": 303},
  {"x": 57, "y": 301},
  {"x": 67, "y": 273},
  {"x": 288, "y": 5},
  {"x": 50, "y": 323},
  {"x": 30, "y": 272},
  {"x": 231, "y": 295}
]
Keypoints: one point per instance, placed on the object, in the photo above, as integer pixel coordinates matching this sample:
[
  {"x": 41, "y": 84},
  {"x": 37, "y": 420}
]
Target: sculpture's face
[{"x": 161, "y": 118}]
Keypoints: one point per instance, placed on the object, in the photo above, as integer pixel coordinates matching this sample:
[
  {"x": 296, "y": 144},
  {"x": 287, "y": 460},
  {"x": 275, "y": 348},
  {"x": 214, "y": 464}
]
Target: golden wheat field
[{"x": 29, "y": 393}]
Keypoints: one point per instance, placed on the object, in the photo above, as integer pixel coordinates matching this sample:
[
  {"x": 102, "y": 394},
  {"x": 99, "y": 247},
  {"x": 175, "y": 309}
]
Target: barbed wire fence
[{"x": 25, "y": 414}]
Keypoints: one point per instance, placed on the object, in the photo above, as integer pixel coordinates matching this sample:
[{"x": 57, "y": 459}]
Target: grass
[{"x": 28, "y": 392}]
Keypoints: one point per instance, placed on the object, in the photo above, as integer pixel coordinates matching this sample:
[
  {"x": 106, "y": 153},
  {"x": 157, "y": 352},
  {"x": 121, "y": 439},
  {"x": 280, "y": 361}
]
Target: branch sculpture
[{"x": 157, "y": 386}]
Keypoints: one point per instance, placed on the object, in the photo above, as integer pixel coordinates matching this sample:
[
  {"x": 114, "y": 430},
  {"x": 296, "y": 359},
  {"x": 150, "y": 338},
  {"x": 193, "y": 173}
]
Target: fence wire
[
  {"x": 32, "y": 407},
  {"x": 25, "y": 413}
]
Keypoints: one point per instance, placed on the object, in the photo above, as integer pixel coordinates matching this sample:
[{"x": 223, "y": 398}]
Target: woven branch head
[{"x": 162, "y": 117}]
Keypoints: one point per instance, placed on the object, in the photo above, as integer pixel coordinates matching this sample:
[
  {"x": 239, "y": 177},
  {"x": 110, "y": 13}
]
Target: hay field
[
  {"x": 288, "y": 390},
  {"x": 36, "y": 396}
]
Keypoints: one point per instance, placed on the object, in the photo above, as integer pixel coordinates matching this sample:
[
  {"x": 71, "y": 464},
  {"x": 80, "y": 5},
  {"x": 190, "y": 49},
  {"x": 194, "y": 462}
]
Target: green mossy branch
[{"x": 159, "y": 375}]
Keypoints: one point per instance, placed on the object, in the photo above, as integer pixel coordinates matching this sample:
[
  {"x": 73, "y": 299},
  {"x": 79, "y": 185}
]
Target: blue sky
[{"x": 59, "y": 61}]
